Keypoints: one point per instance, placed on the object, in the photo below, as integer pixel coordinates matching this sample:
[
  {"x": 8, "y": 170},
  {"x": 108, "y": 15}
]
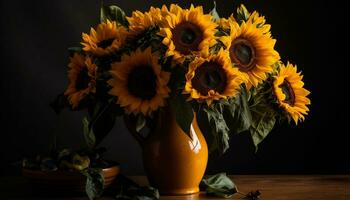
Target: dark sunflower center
[
  {"x": 187, "y": 37},
  {"x": 242, "y": 53},
  {"x": 83, "y": 80},
  {"x": 209, "y": 76},
  {"x": 142, "y": 82},
  {"x": 288, "y": 91},
  {"x": 105, "y": 43}
]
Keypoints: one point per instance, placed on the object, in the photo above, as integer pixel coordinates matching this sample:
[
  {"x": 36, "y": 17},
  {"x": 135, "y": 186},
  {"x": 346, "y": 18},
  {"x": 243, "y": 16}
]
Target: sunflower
[
  {"x": 212, "y": 78},
  {"x": 139, "y": 83},
  {"x": 139, "y": 21},
  {"x": 107, "y": 38},
  {"x": 292, "y": 97},
  {"x": 82, "y": 81},
  {"x": 187, "y": 31},
  {"x": 225, "y": 23},
  {"x": 259, "y": 20},
  {"x": 251, "y": 50}
]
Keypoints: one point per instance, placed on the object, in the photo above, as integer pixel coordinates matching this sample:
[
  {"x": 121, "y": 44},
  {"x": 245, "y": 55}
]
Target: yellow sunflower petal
[
  {"x": 215, "y": 66},
  {"x": 80, "y": 66},
  {"x": 251, "y": 49},
  {"x": 292, "y": 97},
  {"x": 138, "y": 101},
  {"x": 107, "y": 38},
  {"x": 187, "y": 31}
]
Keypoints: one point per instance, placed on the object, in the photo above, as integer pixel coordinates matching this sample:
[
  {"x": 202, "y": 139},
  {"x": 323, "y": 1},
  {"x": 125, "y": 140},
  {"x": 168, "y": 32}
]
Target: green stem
[
  {"x": 133, "y": 132},
  {"x": 93, "y": 121}
]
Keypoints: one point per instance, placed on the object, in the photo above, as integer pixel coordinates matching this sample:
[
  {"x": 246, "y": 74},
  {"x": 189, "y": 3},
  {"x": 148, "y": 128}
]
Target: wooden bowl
[{"x": 64, "y": 182}]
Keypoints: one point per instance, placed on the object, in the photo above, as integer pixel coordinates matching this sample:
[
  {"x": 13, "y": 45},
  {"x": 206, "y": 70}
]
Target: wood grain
[
  {"x": 272, "y": 187},
  {"x": 285, "y": 187}
]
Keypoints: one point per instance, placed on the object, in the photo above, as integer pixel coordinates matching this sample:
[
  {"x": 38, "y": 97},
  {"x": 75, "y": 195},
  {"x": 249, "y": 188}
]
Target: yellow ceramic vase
[{"x": 174, "y": 162}]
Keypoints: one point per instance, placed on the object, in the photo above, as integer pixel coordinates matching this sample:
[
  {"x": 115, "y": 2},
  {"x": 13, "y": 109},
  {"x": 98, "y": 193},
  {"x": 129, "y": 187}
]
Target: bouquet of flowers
[{"x": 223, "y": 71}]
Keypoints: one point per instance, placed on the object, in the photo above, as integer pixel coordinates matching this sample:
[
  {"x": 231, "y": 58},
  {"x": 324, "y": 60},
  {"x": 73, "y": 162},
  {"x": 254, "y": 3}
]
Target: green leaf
[
  {"x": 89, "y": 135},
  {"x": 103, "y": 119},
  {"x": 263, "y": 110},
  {"x": 237, "y": 113},
  {"x": 214, "y": 13},
  {"x": 113, "y": 13},
  {"x": 218, "y": 127},
  {"x": 242, "y": 14},
  {"x": 140, "y": 123},
  {"x": 219, "y": 185},
  {"x": 262, "y": 124},
  {"x": 59, "y": 103},
  {"x": 183, "y": 112},
  {"x": 94, "y": 183}
]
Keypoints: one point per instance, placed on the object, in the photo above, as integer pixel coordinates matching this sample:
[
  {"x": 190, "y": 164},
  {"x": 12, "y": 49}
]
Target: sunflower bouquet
[{"x": 224, "y": 71}]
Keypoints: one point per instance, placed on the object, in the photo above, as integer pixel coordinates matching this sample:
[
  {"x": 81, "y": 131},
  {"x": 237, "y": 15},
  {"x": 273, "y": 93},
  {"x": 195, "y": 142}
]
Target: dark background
[{"x": 34, "y": 40}]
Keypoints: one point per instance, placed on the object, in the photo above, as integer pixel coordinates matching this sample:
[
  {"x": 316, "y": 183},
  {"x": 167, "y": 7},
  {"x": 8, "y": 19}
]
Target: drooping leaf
[
  {"x": 214, "y": 13},
  {"x": 89, "y": 134},
  {"x": 218, "y": 128},
  {"x": 263, "y": 121},
  {"x": 94, "y": 183},
  {"x": 183, "y": 112},
  {"x": 219, "y": 185},
  {"x": 103, "y": 118},
  {"x": 237, "y": 113},
  {"x": 113, "y": 13},
  {"x": 242, "y": 14},
  {"x": 59, "y": 103},
  {"x": 263, "y": 110}
]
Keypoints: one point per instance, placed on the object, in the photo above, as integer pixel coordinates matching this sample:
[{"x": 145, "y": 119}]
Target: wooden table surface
[{"x": 272, "y": 187}]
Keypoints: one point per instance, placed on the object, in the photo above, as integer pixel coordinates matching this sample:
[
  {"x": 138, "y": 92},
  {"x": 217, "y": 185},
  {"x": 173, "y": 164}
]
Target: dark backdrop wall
[{"x": 34, "y": 40}]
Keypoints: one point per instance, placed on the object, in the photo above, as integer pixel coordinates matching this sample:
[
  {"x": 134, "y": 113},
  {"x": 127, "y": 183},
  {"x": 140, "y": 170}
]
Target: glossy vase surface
[{"x": 174, "y": 162}]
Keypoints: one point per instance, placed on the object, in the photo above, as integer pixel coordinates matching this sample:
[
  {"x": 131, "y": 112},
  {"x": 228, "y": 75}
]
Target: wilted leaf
[
  {"x": 214, "y": 13},
  {"x": 218, "y": 127},
  {"x": 237, "y": 113},
  {"x": 219, "y": 185},
  {"x": 113, "y": 13},
  {"x": 262, "y": 124}
]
